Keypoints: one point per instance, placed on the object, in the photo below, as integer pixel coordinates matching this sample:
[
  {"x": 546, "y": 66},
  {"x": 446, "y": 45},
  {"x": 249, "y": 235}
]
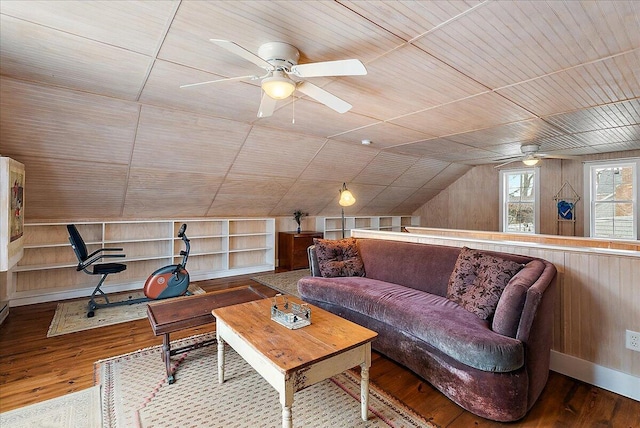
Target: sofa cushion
[
  {"x": 423, "y": 267},
  {"x": 433, "y": 319},
  {"x": 478, "y": 279},
  {"x": 511, "y": 303},
  {"x": 338, "y": 257}
]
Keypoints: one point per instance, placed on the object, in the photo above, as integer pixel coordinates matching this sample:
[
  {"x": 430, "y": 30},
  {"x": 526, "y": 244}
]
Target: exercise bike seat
[{"x": 103, "y": 268}]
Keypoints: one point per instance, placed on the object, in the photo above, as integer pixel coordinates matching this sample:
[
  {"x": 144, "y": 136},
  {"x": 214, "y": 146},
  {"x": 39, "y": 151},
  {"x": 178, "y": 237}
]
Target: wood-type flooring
[{"x": 34, "y": 368}]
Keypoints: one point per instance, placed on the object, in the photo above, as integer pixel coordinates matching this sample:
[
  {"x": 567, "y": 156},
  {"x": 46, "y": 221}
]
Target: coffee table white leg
[
  {"x": 364, "y": 383},
  {"x": 220, "y": 358},
  {"x": 286, "y": 399}
]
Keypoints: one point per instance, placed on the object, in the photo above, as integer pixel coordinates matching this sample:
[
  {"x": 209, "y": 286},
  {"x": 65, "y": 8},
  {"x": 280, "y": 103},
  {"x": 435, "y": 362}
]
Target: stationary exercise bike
[
  {"x": 166, "y": 282},
  {"x": 172, "y": 280}
]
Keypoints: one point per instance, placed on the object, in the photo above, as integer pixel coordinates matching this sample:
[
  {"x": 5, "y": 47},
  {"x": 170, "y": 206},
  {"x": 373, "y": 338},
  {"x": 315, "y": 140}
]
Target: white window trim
[
  {"x": 536, "y": 198},
  {"x": 589, "y": 188}
]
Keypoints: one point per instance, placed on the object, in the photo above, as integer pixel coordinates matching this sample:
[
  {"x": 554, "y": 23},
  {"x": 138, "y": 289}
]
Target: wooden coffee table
[
  {"x": 291, "y": 360},
  {"x": 179, "y": 313}
]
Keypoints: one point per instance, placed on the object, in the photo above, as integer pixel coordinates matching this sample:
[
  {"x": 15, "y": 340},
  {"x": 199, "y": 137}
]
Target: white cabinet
[
  {"x": 332, "y": 226},
  {"x": 219, "y": 248}
]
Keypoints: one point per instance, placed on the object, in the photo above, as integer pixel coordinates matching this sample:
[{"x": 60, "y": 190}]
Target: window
[
  {"x": 519, "y": 200},
  {"x": 611, "y": 210}
]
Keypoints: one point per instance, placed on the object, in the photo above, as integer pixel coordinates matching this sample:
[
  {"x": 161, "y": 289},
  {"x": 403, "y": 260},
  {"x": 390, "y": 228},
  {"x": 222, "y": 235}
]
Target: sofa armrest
[
  {"x": 539, "y": 303},
  {"x": 536, "y": 330},
  {"x": 314, "y": 267}
]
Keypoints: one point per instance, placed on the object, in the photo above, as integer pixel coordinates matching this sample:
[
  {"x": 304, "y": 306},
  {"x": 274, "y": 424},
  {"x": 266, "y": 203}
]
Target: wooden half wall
[{"x": 598, "y": 294}]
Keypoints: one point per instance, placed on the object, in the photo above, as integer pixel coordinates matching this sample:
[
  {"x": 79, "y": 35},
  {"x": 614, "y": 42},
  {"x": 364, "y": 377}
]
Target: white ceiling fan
[
  {"x": 284, "y": 75},
  {"x": 531, "y": 156}
]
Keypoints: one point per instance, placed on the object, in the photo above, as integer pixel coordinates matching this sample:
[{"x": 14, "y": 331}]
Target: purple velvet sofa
[{"x": 403, "y": 297}]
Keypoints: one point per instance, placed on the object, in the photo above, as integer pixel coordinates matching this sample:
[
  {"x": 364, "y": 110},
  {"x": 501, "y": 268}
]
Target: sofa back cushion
[
  {"x": 338, "y": 257},
  {"x": 511, "y": 303},
  {"x": 478, "y": 280},
  {"x": 423, "y": 267}
]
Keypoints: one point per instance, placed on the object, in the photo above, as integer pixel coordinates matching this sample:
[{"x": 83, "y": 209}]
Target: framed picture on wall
[{"x": 12, "y": 204}]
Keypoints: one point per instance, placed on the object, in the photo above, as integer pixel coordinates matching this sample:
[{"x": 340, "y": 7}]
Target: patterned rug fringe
[{"x": 247, "y": 400}]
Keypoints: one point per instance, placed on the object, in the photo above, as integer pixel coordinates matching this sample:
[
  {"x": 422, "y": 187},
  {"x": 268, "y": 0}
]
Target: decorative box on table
[{"x": 290, "y": 314}]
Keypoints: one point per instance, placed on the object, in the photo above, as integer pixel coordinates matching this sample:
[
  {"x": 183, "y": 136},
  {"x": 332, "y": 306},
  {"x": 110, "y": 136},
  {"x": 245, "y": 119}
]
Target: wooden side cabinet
[{"x": 292, "y": 248}]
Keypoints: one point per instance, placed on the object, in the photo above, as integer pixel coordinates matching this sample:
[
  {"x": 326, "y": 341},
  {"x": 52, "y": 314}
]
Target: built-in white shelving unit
[
  {"x": 332, "y": 226},
  {"x": 219, "y": 248}
]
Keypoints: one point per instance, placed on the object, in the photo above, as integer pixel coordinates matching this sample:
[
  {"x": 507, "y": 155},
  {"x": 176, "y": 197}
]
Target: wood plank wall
[
  {"x": 597, "y": 298},
  {"x": 472, "y": 202}
]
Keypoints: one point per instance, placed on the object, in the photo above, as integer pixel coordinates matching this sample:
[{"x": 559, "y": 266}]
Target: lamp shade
[
  {"x": 530, "y": 160},
  {"x": 278, "y": 86},
  {"x": 346, "y": 197}
]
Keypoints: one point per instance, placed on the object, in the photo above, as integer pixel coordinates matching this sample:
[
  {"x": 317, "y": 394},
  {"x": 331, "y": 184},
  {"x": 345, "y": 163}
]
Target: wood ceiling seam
[
  {"x": 158, "y": 47},
  {"x": 226, "y": 174},
  {"x": 133, "y": 145},
  {"x": 568, "y": 69},
  {"x": 449, "y": 21}
]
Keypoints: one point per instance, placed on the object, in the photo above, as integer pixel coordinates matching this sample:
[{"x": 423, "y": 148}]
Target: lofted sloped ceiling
[{"x": 91, "y": 100}]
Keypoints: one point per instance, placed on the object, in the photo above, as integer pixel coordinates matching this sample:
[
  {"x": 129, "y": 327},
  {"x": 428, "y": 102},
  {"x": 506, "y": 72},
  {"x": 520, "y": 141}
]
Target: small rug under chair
[
  {"x": 72, "y": 316},
  {"x": 136, "y": 394},
  {"x": 284, "y": 282}
]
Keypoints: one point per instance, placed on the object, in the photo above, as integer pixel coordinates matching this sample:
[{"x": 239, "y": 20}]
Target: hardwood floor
[{"x": 34, "y": 368}]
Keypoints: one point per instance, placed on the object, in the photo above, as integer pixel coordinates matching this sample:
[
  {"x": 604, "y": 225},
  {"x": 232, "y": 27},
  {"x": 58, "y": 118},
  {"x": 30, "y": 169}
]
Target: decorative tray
[{"x": 290, "y": 314}]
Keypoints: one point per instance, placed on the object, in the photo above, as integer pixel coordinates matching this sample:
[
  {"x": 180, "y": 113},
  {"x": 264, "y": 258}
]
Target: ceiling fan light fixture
[
  {"x": 278, "y": 86},
  {"x": 530, "y": 160}
]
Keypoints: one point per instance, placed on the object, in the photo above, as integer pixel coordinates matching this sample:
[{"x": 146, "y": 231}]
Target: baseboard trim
[
  {"x": 21, "y": 298},
  {"x": 594, "y": 374},
  {"x": 27, "y": 298}
]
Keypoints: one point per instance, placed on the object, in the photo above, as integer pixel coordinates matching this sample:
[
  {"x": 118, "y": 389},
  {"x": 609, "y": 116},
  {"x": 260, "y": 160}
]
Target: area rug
[
  {"x": 284, "y": 282},
  {"x": 72, "y": 316},
  {"x": 80, "y": 409},
  {"x": 136, "y": 394}
]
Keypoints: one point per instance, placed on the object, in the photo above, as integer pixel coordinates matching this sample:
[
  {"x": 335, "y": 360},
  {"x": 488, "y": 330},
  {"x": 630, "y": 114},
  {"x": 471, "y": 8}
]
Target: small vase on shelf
[{"x": 297, "y": 216}]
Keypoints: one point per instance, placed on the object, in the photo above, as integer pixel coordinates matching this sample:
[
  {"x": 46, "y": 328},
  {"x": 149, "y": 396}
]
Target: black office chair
[{"x": 86, "y": 260}]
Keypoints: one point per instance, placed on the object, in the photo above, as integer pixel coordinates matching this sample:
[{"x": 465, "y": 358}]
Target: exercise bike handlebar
[{"x": 184, "y": 253}]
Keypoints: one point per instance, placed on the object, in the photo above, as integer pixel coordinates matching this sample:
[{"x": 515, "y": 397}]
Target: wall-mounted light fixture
[{"x": 346, "y": 200}]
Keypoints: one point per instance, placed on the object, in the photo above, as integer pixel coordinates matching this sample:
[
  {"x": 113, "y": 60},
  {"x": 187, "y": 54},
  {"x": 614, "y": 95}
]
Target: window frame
[
  {"x": 504, "y": 189},
  {"x": 589, "y": 168}
]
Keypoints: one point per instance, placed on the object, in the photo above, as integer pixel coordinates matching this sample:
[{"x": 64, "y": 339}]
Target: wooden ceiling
[{"x": 91, "y": 103}]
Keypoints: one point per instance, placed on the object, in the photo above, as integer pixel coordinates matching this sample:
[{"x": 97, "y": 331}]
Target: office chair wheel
[{"x": 90, "y": 314}]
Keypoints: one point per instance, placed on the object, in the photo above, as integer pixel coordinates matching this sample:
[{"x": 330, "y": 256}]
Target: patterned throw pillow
[
  {"x": 338, "y": 257},
  {"x": 478, "y": 279}
]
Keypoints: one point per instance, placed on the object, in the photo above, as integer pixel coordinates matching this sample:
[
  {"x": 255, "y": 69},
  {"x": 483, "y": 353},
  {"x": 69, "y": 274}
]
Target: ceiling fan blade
[
  {"x": 324, "y": 97},
  {"x": 242, "y": 52},
  {"x": 568, "y": 157},
  {"x": 252, "y": 77},
  {"x": 506, "y": 163},
  {"x": 506, "y": 158},
  {"x": 267, "y": 106},
  {"x": 345, "y": 67}
]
